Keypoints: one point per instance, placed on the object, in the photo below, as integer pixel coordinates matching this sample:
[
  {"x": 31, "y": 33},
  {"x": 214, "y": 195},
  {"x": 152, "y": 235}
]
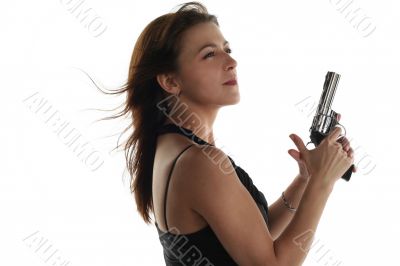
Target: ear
[{"x": 169, "y": 83}]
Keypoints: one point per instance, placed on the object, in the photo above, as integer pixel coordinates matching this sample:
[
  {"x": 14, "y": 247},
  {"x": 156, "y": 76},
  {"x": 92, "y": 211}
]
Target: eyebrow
[{"x": 211, "y": 44}]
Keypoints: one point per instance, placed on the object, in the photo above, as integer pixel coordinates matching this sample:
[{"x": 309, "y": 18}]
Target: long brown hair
[{"x": 155, "y": 52}]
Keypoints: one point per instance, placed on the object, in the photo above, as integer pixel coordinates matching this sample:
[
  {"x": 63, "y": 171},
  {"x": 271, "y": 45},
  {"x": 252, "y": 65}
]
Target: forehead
[{"x": 195, "y": 37}]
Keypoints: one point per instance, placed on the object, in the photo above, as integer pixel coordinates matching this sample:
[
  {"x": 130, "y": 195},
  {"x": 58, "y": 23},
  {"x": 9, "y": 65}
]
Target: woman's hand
[{"x": 304, "y": 173}]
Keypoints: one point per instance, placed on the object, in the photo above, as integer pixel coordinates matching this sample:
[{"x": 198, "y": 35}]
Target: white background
[{"x": 283, "y": 49}]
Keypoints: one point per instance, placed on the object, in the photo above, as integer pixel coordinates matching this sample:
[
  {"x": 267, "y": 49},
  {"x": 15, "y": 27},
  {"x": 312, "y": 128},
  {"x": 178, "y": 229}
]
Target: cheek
[
  {"x": 201, "y": 81},
  {"x": 206, "y": 75},
  {"x": 206, "y": 84}
]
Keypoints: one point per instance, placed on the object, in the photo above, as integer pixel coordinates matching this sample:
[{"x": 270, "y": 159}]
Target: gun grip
[
  {"x": 316, "y": 138},
  {"x": 348, "y": 173}
]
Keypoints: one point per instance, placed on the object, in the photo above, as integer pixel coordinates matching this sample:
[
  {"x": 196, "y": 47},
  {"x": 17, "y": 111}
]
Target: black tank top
[{"x": 202, "y": 247}]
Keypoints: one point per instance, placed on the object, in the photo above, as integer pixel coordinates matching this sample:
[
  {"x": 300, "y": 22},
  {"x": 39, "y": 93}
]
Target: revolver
[{"x": 325, "y": 118}]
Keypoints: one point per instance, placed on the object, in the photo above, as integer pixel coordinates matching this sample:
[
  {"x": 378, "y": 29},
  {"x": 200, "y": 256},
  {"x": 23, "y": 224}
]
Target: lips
[{"x": 231, "y": 82}]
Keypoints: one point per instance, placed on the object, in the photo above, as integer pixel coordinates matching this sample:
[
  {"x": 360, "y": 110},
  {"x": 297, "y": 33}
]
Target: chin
[
  {"x": 237, "y": 101},
  {"x": 233, "y": 101}
]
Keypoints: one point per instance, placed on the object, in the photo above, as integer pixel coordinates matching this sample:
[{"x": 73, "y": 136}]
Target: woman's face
[{"x": 204, "y": 65}]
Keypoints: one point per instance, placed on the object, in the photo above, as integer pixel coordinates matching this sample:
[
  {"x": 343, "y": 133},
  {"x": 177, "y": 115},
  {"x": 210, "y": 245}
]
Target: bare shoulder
[
  {"x": 215, "y": 192},
  {"x": 208, "y": 166},
  {"x": 201, "y": 165}
]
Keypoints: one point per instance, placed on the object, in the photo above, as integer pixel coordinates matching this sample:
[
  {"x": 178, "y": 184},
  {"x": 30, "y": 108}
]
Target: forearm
[
  {"x": 292, "y": 246},
  {"x": 279, "y": 215}
]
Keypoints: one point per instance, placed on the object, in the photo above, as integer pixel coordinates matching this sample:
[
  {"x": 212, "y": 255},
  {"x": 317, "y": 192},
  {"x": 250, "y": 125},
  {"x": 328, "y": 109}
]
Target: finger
[
  {"x": 350, "y": 152},
  {"x": 347, "y": 147},
  {"x": 295, "y": 154},
  {"x": 298, "y": 142},
  {"x": 351, "y": 155},
  {"x": 334, "y": 134},
  {"x": 345, "y": 143}
]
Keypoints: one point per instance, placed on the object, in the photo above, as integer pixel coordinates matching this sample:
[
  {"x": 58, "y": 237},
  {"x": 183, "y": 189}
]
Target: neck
[{"x": 199, "y": 121}]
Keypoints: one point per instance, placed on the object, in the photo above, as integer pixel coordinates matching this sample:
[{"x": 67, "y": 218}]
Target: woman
[{"x": 207, "y": 210}]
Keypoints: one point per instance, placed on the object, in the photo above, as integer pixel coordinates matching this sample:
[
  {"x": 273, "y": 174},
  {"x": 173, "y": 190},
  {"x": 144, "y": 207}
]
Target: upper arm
[{"x": 219, "y": 197}]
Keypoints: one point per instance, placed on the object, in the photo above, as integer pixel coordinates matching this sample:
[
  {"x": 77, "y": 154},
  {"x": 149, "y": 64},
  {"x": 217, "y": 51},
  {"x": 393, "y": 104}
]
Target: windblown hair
[{"x": 155, "y": 52}]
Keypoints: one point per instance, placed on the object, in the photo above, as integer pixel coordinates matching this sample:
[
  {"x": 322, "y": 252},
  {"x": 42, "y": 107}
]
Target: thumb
[{"x": 298, "y": 142}]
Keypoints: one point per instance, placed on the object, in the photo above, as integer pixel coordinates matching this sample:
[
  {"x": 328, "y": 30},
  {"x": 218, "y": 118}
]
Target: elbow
[
  {"x": 269, "y": 261},
  {"x": 286, "y": 261},
  {"x": 283, "y": 258}
]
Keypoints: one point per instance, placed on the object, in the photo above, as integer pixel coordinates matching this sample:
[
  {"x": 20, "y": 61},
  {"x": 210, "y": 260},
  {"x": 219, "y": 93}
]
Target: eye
[
  {"x": 229, "y": 50},
  {"x": 211, "y": 53}
]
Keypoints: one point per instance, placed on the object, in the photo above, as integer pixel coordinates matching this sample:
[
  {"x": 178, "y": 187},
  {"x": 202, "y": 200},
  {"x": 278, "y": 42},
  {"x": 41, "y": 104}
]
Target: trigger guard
[
  {"x": 309, "y": 143},
  {"x": 341, "y": 136}
]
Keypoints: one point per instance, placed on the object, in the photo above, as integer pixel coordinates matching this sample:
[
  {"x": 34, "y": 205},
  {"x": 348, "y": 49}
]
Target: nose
[{"x": 230, "y": 64}]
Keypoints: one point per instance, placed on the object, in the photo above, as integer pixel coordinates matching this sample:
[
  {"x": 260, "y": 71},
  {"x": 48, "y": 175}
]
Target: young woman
[{"x": 207, "y": 210}]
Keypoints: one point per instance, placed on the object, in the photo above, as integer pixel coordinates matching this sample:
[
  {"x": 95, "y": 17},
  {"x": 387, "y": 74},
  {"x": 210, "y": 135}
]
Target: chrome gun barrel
[{"x": 325, "y": 117}]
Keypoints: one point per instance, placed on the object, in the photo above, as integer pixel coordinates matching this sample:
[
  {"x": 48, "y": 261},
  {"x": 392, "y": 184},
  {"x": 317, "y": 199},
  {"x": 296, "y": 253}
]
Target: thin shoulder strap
[{"x": 166, "y": 189}]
